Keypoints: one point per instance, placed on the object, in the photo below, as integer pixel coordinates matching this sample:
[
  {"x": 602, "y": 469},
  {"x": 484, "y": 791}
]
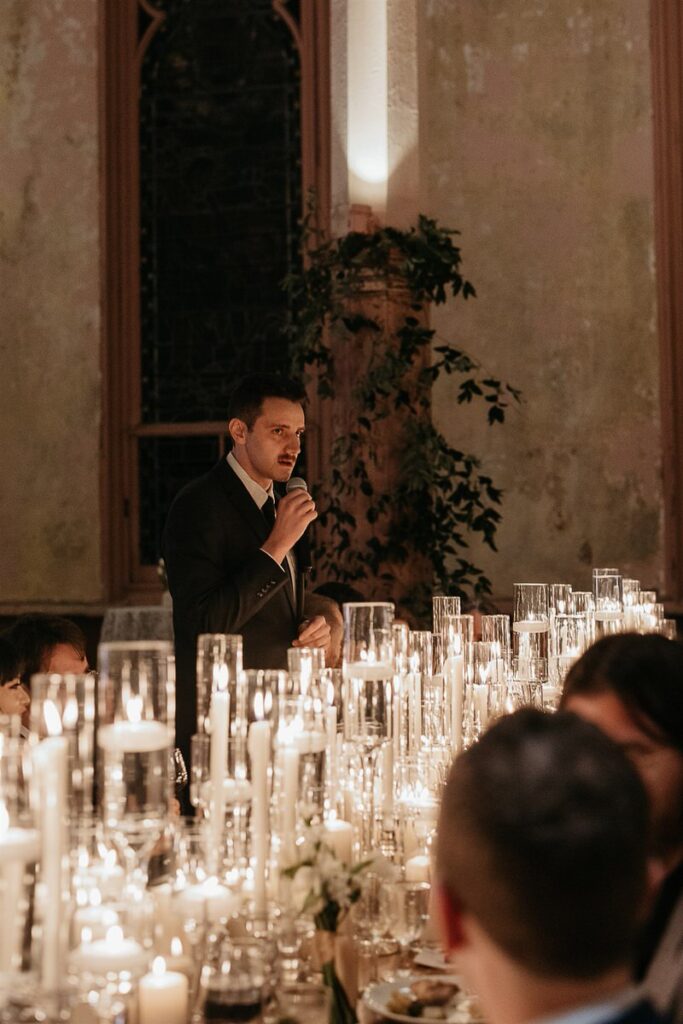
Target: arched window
[{"x": 216, "y": 116}]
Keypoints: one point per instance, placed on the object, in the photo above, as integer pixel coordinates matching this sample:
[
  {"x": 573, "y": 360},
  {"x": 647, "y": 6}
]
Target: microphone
[{"x": 303, "y": 545}]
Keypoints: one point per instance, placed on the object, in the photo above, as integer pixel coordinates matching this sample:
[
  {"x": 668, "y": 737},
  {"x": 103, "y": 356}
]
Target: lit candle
[
  {"x": 338, "y": 835},
  {"x": 49, "y": 762},
  {"x": 259, "y": 751},
  {"x": 219, "y": 722},
  {"x": 110, "y": 955},
  {"x": 290, "y": 796},
  {"x": 368, "y": 671},
  {"x": 417, "y": 868},
  {"x": 133, "y": 737},
  {"x": 331, "y": 754},
  {"x": 454, "y": 675},
  {"x": 163, "y": 995},
  {"x": 206, "y": 900}
]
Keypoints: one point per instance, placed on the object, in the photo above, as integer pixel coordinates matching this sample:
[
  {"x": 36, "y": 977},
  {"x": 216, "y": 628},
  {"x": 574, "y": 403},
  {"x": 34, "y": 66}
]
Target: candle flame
[
  {"x": 70, "y": 716},
  {"x": 4, "y": 818},
  {"x": 176, "y": 947},
  {"x": 115, "y": 933},
  {"x": 158, "y": 966},
  {"x": 53, "y": 720},
  {"x": 134, "y": 709},
  {"x": 259, "y": 706}
]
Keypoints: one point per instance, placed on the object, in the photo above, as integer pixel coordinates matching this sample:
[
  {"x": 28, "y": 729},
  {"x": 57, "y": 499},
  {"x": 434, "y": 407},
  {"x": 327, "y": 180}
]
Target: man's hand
[
  {"x": 294, "y": 512},
  {"x": 313, "y": 633}
]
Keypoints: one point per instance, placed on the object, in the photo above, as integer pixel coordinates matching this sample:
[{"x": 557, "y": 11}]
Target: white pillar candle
[
  {"x": 368, "y": 671},
  {"x": 290, "y": 796},
  {"x": 388, "y": 780},
  {"x": 50, "y": 762},
  {"x": 331, "y": 754},
  {"x": 110, "y": 955},
  {"x": 417, "y": 868},
  {"x": 481, "y": 702},
  {"x": 338, "y": 835},
  {"x": 208, "y": 900},
  {"x": 454, "y": 674},
  {"x": 259, "y": 753},
  {"x": 163, "y": 996},
  {"x": 218, "y": 769},
  {"x": 134, "y": 737}
]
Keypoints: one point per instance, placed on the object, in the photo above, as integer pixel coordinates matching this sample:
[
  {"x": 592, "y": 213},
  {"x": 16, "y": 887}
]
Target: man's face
[
  {"x": 269, "y": 450},
  {"x": 64, "y": 659},
  {"x": 660, "y": 766}
]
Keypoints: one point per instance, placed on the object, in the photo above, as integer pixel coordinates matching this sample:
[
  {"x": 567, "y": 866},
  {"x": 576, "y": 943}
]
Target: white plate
[{"x": 377, "y": 996}]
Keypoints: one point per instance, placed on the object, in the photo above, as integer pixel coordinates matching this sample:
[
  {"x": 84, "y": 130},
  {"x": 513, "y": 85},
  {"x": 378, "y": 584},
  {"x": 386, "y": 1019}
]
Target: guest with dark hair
[
  {"x": 47, "y": 643},
  {"x": 542, "y": 868},
  {"x": 631, "y": 687},
  {"x": 14, "y": 697}
]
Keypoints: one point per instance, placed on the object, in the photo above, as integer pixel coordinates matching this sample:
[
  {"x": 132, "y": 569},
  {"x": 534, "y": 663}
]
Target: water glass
[{"x": 236, "y": 980}]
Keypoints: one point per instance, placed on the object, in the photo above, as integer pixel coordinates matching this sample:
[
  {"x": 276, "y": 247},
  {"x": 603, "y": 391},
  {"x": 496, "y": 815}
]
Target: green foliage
[{"x": 442, "y": 496}]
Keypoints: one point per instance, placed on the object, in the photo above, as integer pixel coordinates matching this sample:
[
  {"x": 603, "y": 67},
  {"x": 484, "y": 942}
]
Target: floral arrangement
[{"x": 326, "y": 888}]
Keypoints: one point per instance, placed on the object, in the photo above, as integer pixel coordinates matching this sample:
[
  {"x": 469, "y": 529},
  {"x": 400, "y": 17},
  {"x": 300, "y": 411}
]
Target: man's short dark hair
[
  {"x": 247, "y": 398},
  {"x": 34, "y": 636},
  {"x": 644, "y": 672},
  {"x": 9, "y": 661},
  {"x": 543, "y": 838}
]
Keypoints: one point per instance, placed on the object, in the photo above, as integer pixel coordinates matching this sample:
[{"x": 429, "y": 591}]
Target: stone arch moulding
[
  {"x": 666, "y": 30},
  {"x": 126, "y": 30}
]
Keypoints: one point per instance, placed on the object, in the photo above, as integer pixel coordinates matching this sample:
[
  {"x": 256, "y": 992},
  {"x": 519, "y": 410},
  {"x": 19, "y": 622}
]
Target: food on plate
[
  {"x": 427, "y": 998},
  {"x": 433, "y": 992}
]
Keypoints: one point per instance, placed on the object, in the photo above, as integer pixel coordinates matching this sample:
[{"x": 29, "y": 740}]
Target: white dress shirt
[{"x": 260, "y": 496}]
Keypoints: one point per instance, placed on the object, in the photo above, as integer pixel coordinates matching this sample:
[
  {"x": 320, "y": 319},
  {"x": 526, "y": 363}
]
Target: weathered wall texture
[
  {"x": 535, "y": 135},
  {"x": 49, "y": 303}
]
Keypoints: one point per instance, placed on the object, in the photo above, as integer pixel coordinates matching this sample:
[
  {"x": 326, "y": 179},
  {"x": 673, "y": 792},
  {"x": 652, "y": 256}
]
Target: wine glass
[
  {"x": 368, "y": 673},
  {"x": 135, "y": 740},
  {"x": 406, "y": 910}
]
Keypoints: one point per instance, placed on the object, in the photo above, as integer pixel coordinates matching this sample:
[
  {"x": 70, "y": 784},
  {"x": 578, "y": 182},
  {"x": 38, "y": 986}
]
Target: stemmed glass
[
  {"x": 135, "y": 740},
  {"x": 368, "y": 674},
  {"x": 406, "y": 910}
]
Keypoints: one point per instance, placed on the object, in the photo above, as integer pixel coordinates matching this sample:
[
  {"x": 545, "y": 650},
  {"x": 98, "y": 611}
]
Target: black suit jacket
[{"x": 221, "y": 582}]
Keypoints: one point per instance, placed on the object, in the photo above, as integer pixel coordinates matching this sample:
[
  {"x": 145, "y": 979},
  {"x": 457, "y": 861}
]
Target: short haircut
[
  {"x": 246, "y": 399},
  {"x": 34, "y": 636},
  {"x": 543, "y": 838},
  {"x": 644, "y": 672},
  {"x": 9, "y": 661}
]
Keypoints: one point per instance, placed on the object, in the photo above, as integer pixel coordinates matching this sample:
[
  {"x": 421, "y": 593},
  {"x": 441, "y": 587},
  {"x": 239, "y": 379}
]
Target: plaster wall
[
  {"x": 49, "y": 301},
  {"x": 535, "y": 141}
]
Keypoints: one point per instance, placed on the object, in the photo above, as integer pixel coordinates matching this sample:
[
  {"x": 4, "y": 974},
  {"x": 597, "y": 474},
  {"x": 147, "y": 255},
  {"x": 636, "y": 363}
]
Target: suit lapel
[
  {"x": 251, "y": 514},
  {"x": 241, "y": 499}
]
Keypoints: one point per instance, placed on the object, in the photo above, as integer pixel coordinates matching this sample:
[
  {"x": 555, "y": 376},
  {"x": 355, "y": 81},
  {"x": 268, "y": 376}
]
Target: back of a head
[
  {"x": 644, "y": 671},
  {"x": 542, "y": 838},
  {"x": 248, "y": 395},
  {"x": 34, "y": 636}
]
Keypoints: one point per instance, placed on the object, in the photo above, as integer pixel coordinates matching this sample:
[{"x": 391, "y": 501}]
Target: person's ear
[
  {"x": 450, "y": 910},
  {"x": 237, "y": 430}
]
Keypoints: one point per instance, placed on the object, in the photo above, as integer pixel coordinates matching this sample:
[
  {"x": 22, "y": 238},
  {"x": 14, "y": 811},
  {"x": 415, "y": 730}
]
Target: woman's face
[{"x": 14, "y": 699}]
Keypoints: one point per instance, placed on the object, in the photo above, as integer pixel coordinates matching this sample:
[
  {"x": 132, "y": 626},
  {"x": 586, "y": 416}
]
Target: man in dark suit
[
  {"x": 230, "y": 555},
  {"x": 542, "y": 863}
]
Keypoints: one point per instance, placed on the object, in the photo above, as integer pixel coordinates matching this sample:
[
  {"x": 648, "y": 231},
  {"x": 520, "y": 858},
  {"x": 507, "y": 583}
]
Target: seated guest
[
  {"x": 631, "y": 687},
  {"x": 542, "y": 868},
  {"x": 14, "y": 698},
  {"x": 47, "y": 643}
]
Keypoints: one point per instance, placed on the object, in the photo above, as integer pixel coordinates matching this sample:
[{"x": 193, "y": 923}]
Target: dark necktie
[{"x": 268, "y": 510}]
